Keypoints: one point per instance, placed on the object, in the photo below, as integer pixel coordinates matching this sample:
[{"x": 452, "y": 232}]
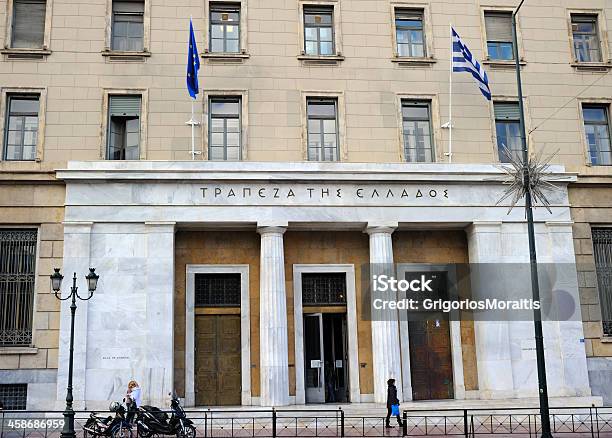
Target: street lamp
[
  {"x": 56, "y": 285},
  {"x": 533, "y": 263}
]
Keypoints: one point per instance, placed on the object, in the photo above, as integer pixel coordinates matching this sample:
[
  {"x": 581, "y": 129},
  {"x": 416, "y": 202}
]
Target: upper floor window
[
  {"x": 224, "y": 28},
  {"x": 597, "y": 130},
  {"x": 416, "y": 131},
  {"x": 224, "y": 132},
  {"x": 585, "y": 35},
  {"x": 17, "y": 275},
  {"x": 28, "y": 24},
  {"x": 319, "y": 30},
  {"x": 21, "y": 129},
  {"x": 127, "y": 32},
  {"x": 507, "y": 128},
  {"x": 322, "y": 129},
  {"x": 409, "y": 33},
  {"x": 123, "y": 127},
  {"x": 498, "y": 26}
]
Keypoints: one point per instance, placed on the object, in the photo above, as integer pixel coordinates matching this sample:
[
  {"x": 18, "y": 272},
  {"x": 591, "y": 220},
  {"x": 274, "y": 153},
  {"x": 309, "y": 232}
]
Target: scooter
[
  {"x": 153, "y": 421},
  {"x": 113, "y": 427}
]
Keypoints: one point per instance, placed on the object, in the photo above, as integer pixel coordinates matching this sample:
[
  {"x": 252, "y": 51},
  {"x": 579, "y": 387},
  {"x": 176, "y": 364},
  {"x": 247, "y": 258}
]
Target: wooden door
[
  {"x": 431, "y": 367},
  {"x": 218, "y": 371}
]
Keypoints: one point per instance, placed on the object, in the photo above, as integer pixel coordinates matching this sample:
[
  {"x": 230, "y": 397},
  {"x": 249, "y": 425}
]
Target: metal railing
[{"x": 593, "y": 422}]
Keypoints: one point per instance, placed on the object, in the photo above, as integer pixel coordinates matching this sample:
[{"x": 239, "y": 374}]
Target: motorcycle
[
  {"x": 113, "y": 427},
  {"x": 152, "y": 421}
]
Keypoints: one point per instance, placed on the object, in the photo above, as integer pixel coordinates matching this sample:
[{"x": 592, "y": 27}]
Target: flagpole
[
  {"x": 450, "y": 99},
  {"x": 193, "y": 152},
  {"x": 193, "y": 122}
]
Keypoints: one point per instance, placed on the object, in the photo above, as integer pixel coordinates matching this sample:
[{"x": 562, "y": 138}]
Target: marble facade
[{"x": 121, "y": 217}]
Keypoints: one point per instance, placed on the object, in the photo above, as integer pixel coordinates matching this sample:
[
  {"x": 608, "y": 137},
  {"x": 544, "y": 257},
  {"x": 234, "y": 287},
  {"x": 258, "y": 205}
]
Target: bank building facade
[{"x": 235, "y": 276}]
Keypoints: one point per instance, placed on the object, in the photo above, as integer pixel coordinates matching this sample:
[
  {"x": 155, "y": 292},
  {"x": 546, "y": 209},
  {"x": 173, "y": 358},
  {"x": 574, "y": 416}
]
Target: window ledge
[
  {"x": 592, "y": 66},
  {"x": 18, "y": 350},
  {"x": 12, "y": 53},
  {"x": 413, "y": 61},
  {"x": 606, "y": 339},
  {"x": 494, "y": 63},
  {"x": 321, "y": 59},
  {"x": 226, "y": 57},
  {"x": 118, "y": 55}
]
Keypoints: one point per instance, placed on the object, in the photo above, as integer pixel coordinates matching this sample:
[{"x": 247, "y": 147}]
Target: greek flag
[{"x": 463, "y": 60}]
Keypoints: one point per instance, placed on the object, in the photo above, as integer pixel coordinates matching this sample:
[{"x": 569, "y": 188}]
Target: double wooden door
[
  {"x": 217, "y": 360},
  {"x": 431, "y": 367}
]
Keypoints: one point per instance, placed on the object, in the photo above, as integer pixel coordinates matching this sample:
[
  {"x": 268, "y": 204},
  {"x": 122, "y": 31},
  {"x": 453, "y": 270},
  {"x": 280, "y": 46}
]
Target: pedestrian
[
  {"x": 392, "y": 400},
  {"x": 133, "y": 399}
]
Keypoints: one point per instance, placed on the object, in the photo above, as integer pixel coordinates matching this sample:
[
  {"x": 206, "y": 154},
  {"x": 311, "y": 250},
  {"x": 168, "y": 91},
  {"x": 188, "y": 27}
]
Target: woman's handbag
[{"x": 395, "y": 410}]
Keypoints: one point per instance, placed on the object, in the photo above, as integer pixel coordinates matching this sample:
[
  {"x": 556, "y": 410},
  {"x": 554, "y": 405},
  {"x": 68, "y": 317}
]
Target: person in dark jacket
[{"x": 392, "y": 400}]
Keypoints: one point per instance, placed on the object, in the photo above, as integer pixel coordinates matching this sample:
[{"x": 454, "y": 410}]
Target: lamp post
[
  {"x": 56, "y": 285},
  {"x": 533, "y": 263}
]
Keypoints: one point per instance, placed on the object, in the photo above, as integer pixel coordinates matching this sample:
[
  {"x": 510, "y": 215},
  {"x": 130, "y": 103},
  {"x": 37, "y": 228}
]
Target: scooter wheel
[
  {"x": 187, "y": 432},
  {"x": 122, "y": 433}
]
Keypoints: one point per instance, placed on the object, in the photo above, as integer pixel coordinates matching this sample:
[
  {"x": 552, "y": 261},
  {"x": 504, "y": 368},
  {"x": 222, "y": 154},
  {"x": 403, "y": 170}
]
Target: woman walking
[{"x": 392, "y": 400}]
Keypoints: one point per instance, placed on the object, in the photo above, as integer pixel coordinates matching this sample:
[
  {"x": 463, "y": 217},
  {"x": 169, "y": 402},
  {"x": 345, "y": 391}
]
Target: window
[
  {"x": 123, "y": 127},
  {"x": 224, "y": 28},
  {"x": 586, "y": 38},
  {"x": 319, "y": 31},
  {"x": 602, "y": 252},
  {"x": 224, "y": 132},
  {"x": 28, "y": 24},
  {"x": 322, "y": 129},
  {"x": 217, "y": 290},
  {"x": 416, "y": 131},
  {"x": 507, "y": 128},
  {"x": 21, "y": 128},
  {"x": 499, "y": 35},
  {"x": 597, "y": 131},
  {"x": 13, "y": 397},
  {"x": 323, "y": 289},
  {"x": 409, "y": 33},
  {"x": 17, "y": 274},
  {"x": 128, "y": 26}
]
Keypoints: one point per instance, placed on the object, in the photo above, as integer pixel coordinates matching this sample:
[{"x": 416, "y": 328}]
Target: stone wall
[
  {"x": 76, "y": 76},
  {"x": 41, "y": 207},
  {"x": 592, "y": 206}
]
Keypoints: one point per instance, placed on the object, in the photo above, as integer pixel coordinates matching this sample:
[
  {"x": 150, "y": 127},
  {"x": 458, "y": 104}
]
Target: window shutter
[
  {"x": 128, "y": 7},
  {"x": 28, "y": 24},
  {"x": 507, "y": 111},
  {"x": 498, "y": 26},
  {"x": 124, "y": 106}
]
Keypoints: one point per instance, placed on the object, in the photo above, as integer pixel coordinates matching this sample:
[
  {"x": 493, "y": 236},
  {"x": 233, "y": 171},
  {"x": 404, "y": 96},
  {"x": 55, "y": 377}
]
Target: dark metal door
[
  {"x": 218, "y": 371},
  {"x": 431, "y": 367}
]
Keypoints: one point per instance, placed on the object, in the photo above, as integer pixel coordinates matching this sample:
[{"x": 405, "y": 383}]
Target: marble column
[
  {"x": 273, "y": 350},
  {"x": 386, "y": 356}
]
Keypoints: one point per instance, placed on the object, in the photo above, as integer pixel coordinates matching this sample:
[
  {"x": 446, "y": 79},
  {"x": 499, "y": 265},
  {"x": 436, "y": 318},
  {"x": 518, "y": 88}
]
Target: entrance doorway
[
  {"x": 326, "y": 358},
  {"x": 217, "y": 373},
  {"x": 217, "y": 347},
  {"x": 431, "y": 366}
]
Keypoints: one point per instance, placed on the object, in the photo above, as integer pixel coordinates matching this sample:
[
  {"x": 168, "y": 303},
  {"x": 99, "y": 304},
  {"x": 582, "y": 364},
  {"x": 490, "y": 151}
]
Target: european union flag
[{"x": 193, "y": 64}]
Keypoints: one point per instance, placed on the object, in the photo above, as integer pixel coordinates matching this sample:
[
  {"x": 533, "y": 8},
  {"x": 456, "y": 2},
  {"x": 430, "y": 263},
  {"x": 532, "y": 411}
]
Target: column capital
[
  {"x": 380, "y": 227},
  {"x": 271, "y": 229}
]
